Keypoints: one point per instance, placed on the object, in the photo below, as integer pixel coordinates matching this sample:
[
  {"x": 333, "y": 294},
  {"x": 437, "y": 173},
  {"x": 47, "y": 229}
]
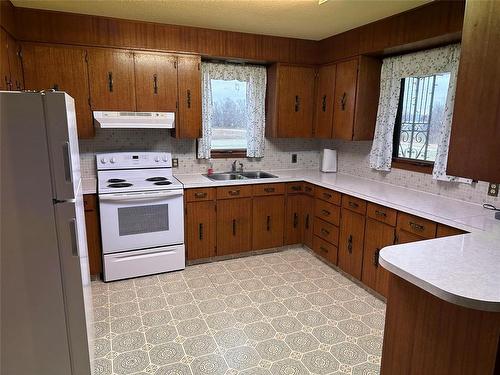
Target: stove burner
[
  {"x": 153, "y": 179},
  {"x": 115, "y": 180},
  {"x": 163, "y": 183},
  {"x": 120, "y": 185}
]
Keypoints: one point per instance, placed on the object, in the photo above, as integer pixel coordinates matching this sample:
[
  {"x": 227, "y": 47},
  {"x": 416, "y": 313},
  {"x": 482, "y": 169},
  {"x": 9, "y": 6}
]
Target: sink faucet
[
  {"x": 233, "y": 167},
  {"x": 241, "y": 167}
]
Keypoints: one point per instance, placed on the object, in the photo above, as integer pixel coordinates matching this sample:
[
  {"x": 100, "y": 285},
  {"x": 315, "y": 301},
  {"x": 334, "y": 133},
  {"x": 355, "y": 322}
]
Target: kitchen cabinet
[
  {"x": 188, "y": 122},
  {"x": 112, "y": 82},
  {"x": 93, "y": 234},
  {"x": 345, "y": 99},
  {"x": 293, "y": 219},
  {"x": 475, "y": 130},
  {"x": 268, "y": 221},
  {"x": 234, "y": 225},
  {"x": 10, "y": 64},
  {"x": 377, "y": 236},
  {"x": 403, "y": 236},
  {"x": 200, "y": 229},
  {"x": 308, "y": 214},
  {"x": 352, "y": 230},
  {"x": 416, "y": 225},
  {"x": 289, "y": 101},
  {"x": 323, "y": 113},
  {"x": 65, "y": 69},
  {"x": 155, "y": 82}
]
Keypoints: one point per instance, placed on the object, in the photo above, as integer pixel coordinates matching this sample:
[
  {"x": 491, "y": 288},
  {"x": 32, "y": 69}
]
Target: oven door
[{"x": 141, "y": 220}]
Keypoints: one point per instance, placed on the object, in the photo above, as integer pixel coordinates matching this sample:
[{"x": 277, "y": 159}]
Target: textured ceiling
[{"x": 304, "y": 19}]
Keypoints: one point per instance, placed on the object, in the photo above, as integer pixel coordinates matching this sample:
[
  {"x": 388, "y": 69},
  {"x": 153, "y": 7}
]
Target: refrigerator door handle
[
  {"x": 68, "y": 173},
  {"x": 74, "y": 237}
]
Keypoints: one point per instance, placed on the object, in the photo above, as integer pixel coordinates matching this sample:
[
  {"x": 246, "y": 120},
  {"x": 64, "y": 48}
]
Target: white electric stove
[{"x": 142, "y": 214}]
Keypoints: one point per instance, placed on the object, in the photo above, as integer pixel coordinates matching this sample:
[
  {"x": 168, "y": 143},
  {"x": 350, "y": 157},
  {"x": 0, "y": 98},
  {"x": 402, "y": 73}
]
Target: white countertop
[{"x": 463, "y": 269}]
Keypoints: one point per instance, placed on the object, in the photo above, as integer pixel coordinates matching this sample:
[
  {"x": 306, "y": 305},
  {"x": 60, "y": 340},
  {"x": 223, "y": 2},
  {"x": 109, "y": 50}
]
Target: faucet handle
[{"x": 241, "y": 167}]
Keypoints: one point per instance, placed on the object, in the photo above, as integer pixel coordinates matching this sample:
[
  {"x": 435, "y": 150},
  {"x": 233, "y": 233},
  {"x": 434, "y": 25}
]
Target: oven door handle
[{"x": 139, "y": 196}]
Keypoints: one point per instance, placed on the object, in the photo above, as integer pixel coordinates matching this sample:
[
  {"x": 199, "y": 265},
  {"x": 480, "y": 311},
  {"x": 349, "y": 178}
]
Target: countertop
[{"x": 462, "y": 269}]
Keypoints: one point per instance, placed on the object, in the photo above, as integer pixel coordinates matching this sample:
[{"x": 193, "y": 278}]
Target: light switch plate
[
  {"x": 175, "y": 163},
  {"x": 493, "y": 190},
  {"x": 294, "y": 158}
]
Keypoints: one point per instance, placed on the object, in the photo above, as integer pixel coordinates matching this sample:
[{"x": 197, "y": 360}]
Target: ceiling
[{"x": 304, "y": 19}]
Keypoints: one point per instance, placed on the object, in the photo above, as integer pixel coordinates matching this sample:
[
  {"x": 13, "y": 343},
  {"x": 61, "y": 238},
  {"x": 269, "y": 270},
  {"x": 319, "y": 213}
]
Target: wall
[{"x": 353, "y": 158}]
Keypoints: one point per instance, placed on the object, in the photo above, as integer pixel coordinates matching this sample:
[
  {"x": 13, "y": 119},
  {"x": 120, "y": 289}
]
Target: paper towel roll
[{"x": 329, "y": 160}]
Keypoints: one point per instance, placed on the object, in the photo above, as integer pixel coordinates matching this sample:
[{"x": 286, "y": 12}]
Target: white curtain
[
  {"x": 255, "y": 78},
  {"x": 419, "y": 64}
]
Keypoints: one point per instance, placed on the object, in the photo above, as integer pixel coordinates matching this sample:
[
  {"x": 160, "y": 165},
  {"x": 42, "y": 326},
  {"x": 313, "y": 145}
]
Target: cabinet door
[
  {"x": 308, "y": 214},
  {"x": 155, "y": 82},
  {"x": 352, "y": 228},
  {"x": 234, "y": 225},
  {"x": 200, "y": 229},
  {"x": 295, "y": 102},
  {"x": 268, "y": 221},
  {"x": 65, "y": 69},
  {"x": 345, "y": 99},
  {"x": 377, "y": 236},
  {"x": 5, "y": 83},
  {"x": 293, "y": 220},
  {"x": 188, "y": 122},
  {"x": 111, "y": 76},
  {"x": 93, "y": 234},
  {"x": 323, "y": 114}
]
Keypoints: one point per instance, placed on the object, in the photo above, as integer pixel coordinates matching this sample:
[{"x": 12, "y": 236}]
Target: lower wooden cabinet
[
  {"x": 93, "y": 234},
  {"x": 325, "y": 249},
  {"x": 377, "y": 236},
  {"x": 445, "y": 230},
  {"x": 234, "y": 225},
  {"x": 268, "y": 221},
  {"x": 352, "y": 230},
  {"x": 308, "y": 215},
  {"x": 200, "y": 229},
  {"x": 293, "y": 219}
]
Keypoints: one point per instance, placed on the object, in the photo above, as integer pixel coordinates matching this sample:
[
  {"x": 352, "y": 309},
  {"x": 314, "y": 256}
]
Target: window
[
  {"x": 419, "y": 118},
  {"x": 229, "y": 100}
]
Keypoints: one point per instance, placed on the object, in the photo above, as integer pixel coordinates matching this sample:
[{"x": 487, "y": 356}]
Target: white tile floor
[{"x": 280, "y": 313}]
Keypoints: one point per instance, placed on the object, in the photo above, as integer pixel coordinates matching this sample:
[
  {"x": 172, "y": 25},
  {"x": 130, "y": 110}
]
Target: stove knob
[
  {"x": 157, "y": 159},
  {"x": 104, "y": 160},
  {"x": 112, "y": 160},
  {"x": 164, "y": 158}
]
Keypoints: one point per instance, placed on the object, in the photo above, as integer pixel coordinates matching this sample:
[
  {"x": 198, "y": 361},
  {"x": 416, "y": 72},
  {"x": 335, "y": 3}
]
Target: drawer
[
  {"x": 326, "y": 231},
  {"x": 381, "y": 213},
  {"x": 327, "y": 195},
  {"x": 294, "y": 187},
  {"x": 309, "y": 189},
  {"x": 417, "y": 225},
  {"x": 354, "y": 204},
  {"x": 202, "y": 194},
  {"x": 327, "y": 211},
  {"x": 239, "y": 191},
  {"x": 89, "y": 202},
  {"x": 268, "y": 189},
  {"x": 325, "y": 249},
  {"x": 445, "y": 230}
]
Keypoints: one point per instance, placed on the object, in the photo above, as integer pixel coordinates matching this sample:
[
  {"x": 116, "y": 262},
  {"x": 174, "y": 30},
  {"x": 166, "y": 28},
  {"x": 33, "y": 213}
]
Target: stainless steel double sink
[{"x": 226, "y": 176}]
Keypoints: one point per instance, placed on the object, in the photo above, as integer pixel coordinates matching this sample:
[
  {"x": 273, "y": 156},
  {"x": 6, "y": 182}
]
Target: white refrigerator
[{"x": 46, "y": 304}]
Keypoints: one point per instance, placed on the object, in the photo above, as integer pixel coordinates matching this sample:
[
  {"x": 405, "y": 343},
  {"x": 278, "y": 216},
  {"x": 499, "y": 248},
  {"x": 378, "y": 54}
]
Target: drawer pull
[
  {"x": 110, "y": 81},
  {"x": 234, "y": 192},
  {"x": 296, "y": 188},
  {"x": 269, "y": 190},
  {"x": 327, "y": 195},
  {"x": 325, "y": 231},
  {"x": 200, "y": 231},
  {"x": 234, "y": 227},
  {"x": 307, "y": 221},
  {"x": 376, "y": 256},
  {"x": 380, "y": 213},
  {"x": 416, "y": 227},
  {"x": 324, "y": 249},
  {"x": 295, "y": 220},
  {"x": 325, "y": 212},
  {"x": 268, "y": 224},
  {"x": 200, "y": 195},
  {"x": 349, "y": 244},
  {"x": 353, "y": 204}
]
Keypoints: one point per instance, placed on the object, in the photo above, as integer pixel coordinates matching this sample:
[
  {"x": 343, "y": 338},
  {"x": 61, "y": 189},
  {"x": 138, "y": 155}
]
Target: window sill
[
  {"x": 226, "y": 154},
  {"x": 413, "y": 165}
]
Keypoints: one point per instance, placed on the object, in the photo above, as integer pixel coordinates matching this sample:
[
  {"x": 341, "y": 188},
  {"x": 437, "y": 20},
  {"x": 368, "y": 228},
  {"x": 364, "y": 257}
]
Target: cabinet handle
[
  {"x": 296, "y": 188},
  {"x": 200, "y": 231},
  {"x": 307, "y": 221},
  {"x": 7, "y": 83},
  {"x": 55, "y": 87},
  {"x": 325, "y": 212},
  {"x": 155, "y": 84},
  {"x": 234, "y": 192},
  {"x": 297, "y": 103},
  {"x": 308, "y": 189},
  {"x": 188, "y": 98},
  {"x": 343, "y": 101},
  {"x": 327, "y": 195},
  {"x": 325, "y": 232},
  {"x": 269, "y": 190},
  {"x": 416, "y": 227},
  {"x": 353, "y": 204},
  {"x": 323, "y": 105},
  {"x": 295, "y": 220},
  {"x": 268, "y": 224},
  {"x": 200, "y": 195},
  {"x": 349, "y": 244},
  {"x": 380, "y": 213},
  {"x": 18, "y": 85},
  {"x": 110, "y": 81},
  {"x": 376, "y": 256},
  {"x": 324, "y": 249},
  {"x": 234, "y": 227}
]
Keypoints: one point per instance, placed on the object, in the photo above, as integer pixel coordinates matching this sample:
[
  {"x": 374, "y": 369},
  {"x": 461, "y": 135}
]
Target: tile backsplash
[{"x": 352, "y": 159}]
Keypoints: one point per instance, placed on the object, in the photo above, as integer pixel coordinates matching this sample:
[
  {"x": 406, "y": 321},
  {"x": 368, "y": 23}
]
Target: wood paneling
[
  {"x": 61, "y": 68},
  {"x": 111, "y": 77},
  {"x": 268, "y": 221},
  {"x": 345, "y": 99},
  {"x": 323, "y": 113},
  {"x": 93, "y": 234},
  {"x": 188, "y": 123},
  {"x": 155, "y": 82},
  {"x": 352, "y": 230},
  {"x": 424, "y": 334},
  {"x": 200, "y": 229},
  {"x": 234, "y": 226},
  {"x": 475, "y": 132}
]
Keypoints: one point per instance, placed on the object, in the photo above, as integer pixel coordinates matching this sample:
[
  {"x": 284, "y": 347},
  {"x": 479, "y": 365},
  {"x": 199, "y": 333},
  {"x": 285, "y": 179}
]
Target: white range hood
[{"x": 134, "y": 120}]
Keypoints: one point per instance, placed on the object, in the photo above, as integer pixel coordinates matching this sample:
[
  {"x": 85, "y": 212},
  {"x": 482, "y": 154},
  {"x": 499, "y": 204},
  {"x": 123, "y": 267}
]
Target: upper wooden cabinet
[
  {"x": 345, "y": 100},
  {"x": 155, "y": 82},
  {"x": 290, "y": 99},
  {"x": 10, "y": 65},
  {"x": 188, "y": 122},
  {"x": 111, "y": 77},
  {"x": 61, "y": 68},
  {"x": 323, "y": 112},
  {"x": 475, "y": 132}
]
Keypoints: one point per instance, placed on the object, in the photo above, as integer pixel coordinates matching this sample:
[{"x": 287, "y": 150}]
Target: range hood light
[{"x": 134, "y": 120}]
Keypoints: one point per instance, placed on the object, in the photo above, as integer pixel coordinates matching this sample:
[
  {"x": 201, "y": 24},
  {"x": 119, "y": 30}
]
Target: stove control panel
[{"x": 131, "y": 160}]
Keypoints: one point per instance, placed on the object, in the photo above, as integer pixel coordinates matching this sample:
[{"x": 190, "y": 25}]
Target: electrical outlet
[
  {"x": 294, "y": 158},
  {"x": 493, "y": 190},
  {"x": 175, "y": 163}
]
